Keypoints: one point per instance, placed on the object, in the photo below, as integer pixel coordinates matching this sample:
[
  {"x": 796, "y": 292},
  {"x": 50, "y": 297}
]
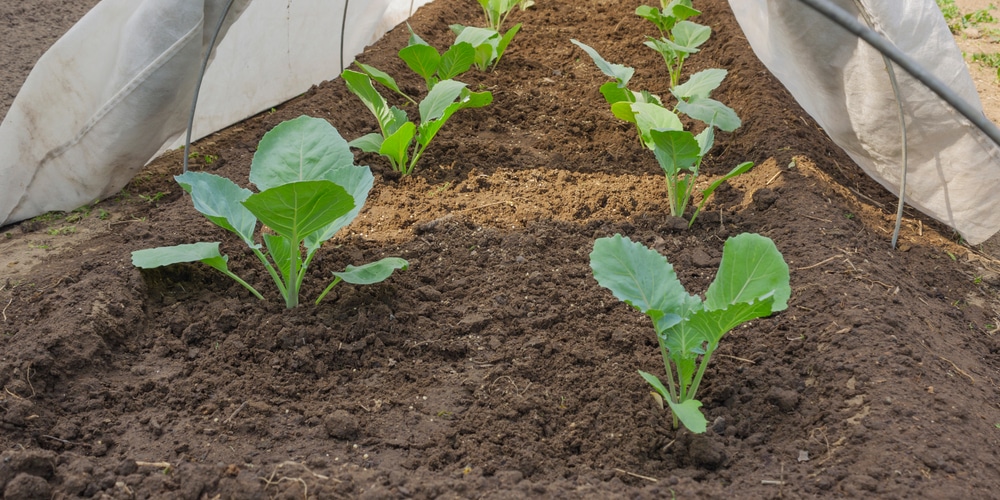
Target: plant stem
[
  {"x": 670, "y": 380},
  {"x": 270, "y": 270},
  {"x": 245, "y": 285},
  {"x": 701, "y": 371},
  {"x": 294, "y": 279},
  {"x": 305, "y": 265},
  {"x": 672, "y": 196},
  {"x": 327, "y": 290}
]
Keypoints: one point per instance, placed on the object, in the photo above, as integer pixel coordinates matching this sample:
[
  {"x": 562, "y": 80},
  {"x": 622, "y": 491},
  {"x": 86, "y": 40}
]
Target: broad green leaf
[
  {"x": 752, "y": 269},
  {"x": 218, "y": 198},
  {"x": 620, "y": 73},
  {"x": 682, "y": 339},
  {"x": 711, "y": 112},
  {"x": 439, "y": 98},
  {"x": 281, "y": 253},
  {"x": 369, "y": 143},
  {"x": 656, "y": 384},
  {"x": 303, "y": 149},
  {"x": 648, "y": 97},
  {"x": 298, "y": 209},
  {"x": 399, "y": 118},
  {"x": 675, "y": 150},
  {"x": 414, "y": 38},
  {"x": 357, "y": 181},
  {"x": 613, "y": 93},
  {"x": 712, "y": 325},
  {"x": 689, "y": 413},
  {"x": 422, "y": 59},
  {"x": 397, "y": 145},
  {"x": 640, "y": 277},
  {"x": 193, "y": 252},
  {"x": 493, "y": 11},
  {"x": 666, "y": 47},
  {"x": 505, "y": 42},
  {"x": 650, "y": 117},
  {"x": 468, "y": 99},
  {"x": 380, "y": 76},
  {"x": 653, "y": 15},
  {"x": 706, "y": 139},
  {"x": 373, "y": 272},
  {"x": 623, "y": 111},
  {"x": 681, "y": 9},
  {"x": 383, "y": 78},
  {"x": 690, "y": 35},
  {"x": 476, "y": 36},
  {"x": 484, "y": 54},
  {"x": 457, "y": 60},
  {"x": 361, "y": 85},
  {"x": 700, "y": 84}
]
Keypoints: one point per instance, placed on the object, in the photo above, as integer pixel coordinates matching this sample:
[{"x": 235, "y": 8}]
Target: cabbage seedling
[
  {"x": 309, "y": 190},
  {"x": 752, "y": 282},
  {"x": 678, "y": 152},
  {"x": 496, "y": 11},
  {"x": 679, "y": 38},
  {"x": 399, "y": 139},
  {"x": 489, "y": 44}
]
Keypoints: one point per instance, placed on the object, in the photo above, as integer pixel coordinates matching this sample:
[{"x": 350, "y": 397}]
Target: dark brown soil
[{"x": 496, "y": 367}]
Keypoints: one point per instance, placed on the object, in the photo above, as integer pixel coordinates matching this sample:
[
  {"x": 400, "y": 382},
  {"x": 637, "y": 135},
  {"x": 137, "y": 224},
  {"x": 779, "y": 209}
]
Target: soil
[{"x": 496, "y": 367}]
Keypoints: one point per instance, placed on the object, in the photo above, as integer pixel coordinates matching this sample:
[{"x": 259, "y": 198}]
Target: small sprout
[
  {"x": 496, "y": 11},
  {"x": 399, "y": 139},
  {"x": 61, "y": 231},
  {"x": 152, "y": 198},
  {"x": 678, "y": 151}
]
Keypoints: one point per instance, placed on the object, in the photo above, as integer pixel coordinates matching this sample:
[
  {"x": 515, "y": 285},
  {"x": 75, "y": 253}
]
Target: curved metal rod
[
  {"x": 197, "y": 88},
  {"x": 343, "y": 28},
  {"x": 902, "y": 128},
  {"x": 890, "y": 51},
  {"x": 851, "y": 24}
]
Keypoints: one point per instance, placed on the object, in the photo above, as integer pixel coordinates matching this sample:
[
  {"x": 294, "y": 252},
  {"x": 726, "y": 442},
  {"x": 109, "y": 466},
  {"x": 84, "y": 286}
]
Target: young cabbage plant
[
  {"x": 679, "y": 38},
  {"x": 489, "y": 44},
  {"x": 399, "y": 139},
  {"x": 752, "y": 282},
  {"x": 309, "y": 188},
  {"x": 496, "y": 11},
  {"x": 678, "y": 152}
]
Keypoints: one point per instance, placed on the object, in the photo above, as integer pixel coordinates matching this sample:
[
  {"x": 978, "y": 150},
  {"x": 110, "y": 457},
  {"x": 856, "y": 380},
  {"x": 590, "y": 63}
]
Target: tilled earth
[{"x": 496, "y": 367}]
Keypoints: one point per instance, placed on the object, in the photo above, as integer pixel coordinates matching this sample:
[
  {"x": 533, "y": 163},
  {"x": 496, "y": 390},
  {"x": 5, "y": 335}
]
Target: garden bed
[{"x": 496, "y": 366}]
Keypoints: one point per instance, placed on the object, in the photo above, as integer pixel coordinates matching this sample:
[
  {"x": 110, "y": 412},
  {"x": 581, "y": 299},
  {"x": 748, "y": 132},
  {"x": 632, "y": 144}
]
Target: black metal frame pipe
[{"x": 851, "y": 24}]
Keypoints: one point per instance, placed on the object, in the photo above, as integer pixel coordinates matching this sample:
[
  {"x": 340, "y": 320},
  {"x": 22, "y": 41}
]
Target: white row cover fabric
[
  {"x": 842, "y": 82},
  {"x": 116, "y": 89}
]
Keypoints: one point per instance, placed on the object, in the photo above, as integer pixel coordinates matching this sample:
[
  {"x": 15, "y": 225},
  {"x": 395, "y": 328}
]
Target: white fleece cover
[
  {"x": 116, "y": 89},
  {"x": 841, "y": 81}
]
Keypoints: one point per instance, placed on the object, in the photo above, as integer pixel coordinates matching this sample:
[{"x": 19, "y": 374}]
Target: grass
[
  {"x": 60, "y": 231},
  {"x": 152, "y": 198},
  {"x": 988, "y": 60},
  {"x": 958, "y": 22}
]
